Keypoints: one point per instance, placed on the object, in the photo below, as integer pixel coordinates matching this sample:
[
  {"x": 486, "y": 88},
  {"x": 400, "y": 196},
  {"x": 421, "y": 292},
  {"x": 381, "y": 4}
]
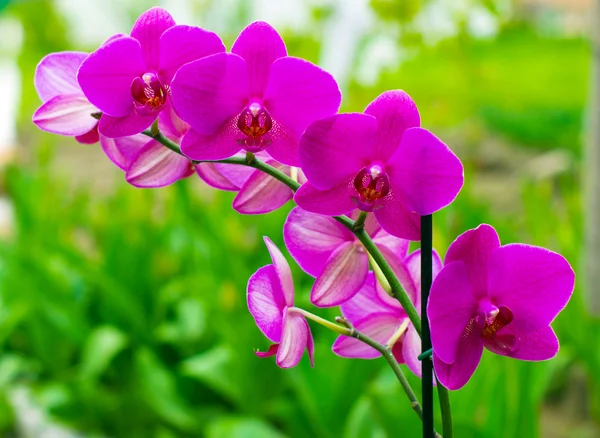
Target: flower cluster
[{"x": 168, "y": 101}]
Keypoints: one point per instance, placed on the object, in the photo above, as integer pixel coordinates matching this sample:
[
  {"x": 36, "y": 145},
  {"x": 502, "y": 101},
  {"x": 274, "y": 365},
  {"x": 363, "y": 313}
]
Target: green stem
[
  {"x": 348, "y": 330},
  {"x": 359, "y": 223},
  {"x": 397, "y": 291},
  {"x": 444, "y": 397},
  {"x": 341, "y": 330}
]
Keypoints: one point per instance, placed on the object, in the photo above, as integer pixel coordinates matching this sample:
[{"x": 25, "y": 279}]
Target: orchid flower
[
  {"x": 271, "y": 302},
  {"x": 254, "y": 98},
  {"x": 128, "y": 78},
  {"x": 65, "y": 109},
  {"x": 328, "y": 251},
  {"x": 146, "y": 162},
  {"x": 502, "y": 298},
  {"x": 379, "y": 161},
  {"x": 373, "y": 312},
  {"x": 258, "y": 192}
]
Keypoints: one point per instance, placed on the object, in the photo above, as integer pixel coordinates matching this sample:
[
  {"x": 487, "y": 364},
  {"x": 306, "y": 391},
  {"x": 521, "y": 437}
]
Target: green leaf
[
  {"x": 214, "y": 368},
  {"x": 100, "y": 348},
  {"x": 232, "y": 427},
  {"x": 158, "y": 389}
]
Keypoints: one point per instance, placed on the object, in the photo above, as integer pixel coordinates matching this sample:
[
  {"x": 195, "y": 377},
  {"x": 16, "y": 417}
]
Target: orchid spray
[{"x": 168, "y": 101}]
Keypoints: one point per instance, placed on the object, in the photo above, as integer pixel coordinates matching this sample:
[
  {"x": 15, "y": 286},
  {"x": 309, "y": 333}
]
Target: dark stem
[{"x": 427, "y": 364}]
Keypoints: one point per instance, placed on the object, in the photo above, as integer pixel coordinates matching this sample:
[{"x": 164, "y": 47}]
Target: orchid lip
[
  {"x": 371, "y": 186},
  {"x": 149, "y": 94},
  {"x": 254, "y": 122}
]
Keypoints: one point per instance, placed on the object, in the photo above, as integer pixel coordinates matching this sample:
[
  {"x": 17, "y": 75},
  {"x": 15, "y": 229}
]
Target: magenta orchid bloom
[
  {"x": 502, "y": 298},
  {"x": 379, "y": 316},
  {"x": 327, "y": 250},
  {"x": 271, "y": 302},
  {"x": 146, "y": 162},
  {"x": 258, "y": 192},
  {"x": 128, "y": 77},
  {"x": 65, "y": 109},
  {"x": 254, "y": 98},
  {"x": 379, "y": 161}
]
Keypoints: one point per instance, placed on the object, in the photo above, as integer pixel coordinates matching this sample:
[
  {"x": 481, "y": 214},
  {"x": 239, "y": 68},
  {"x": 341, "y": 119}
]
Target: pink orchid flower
[
  {"x": 271, "y": 302},
  {"x": 128, "y": 77},
  {"x": 65, "y": 109},
  {"x": 254, "y": 98},
  {"x": 146, "y": 162},
  {"x": 502, "y": 298},
  {"x": 258, "y": 192},
  {"x": 328, "y": 251},
  {"x": 373, "y": 312},
  {"x": 379, "y": 161}
]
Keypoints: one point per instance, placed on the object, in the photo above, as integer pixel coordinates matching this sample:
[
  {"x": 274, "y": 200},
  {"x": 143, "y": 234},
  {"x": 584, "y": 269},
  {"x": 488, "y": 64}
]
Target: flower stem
[
  {"x": 325, "y": 323},
  {"x": 391, "y": 360},
  {"x": 397, "y": 291},
  {"x": 444, "y": 397},
  {"x": 426, "y": 365},
  {"x": 359, "y": 223}
]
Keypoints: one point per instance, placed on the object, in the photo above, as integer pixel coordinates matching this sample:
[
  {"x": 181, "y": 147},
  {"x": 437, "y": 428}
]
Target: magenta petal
[
  {"x": 426, "y": 171},
  {"x": 56, "y": 74},
  {"x": 299, "y": 93},
  {"x": 266, "y": 302},
  {"x": 211, "y": 176},
  {"x": 534, "y": 346},
  {"x": 395, "y": 112},
  {"x": 450, "y": 310},
  {"x": 343, "y": 275},
  {"x": 106, "y": 75},
  {"x": 171, "y": 125},
  {"x": 473, "y": 248},
  {"x": 404, "y": 275},
  {"x": 334, "y": 149},
  {"x": 378, "y": 326},
  {"x": 157, "y": 166},
  {"x": 398, "y": 247},
  {"x": 411, "y": 348},
  {"x": 68, "y": 114},
  {"x": 148, "y": 29},
  {"x": 262, "y": 194},
  {"x": 367, "y": 301},
  {"x": 284, "y": 274},
  {"x": 284, "y": 144},
  {"x": 90, "y": 137},
  {"x": 238, "y": 175},
  {"x": 413, "y": 266},
  {"x": 534, "y": 283},
  {"x": 294, "y": 340},
  {"x": 454, "y": 376},
  {"x": 131, "y": 124},
  {"x": 200, "y": 147},
  {"x": 311, "y": 238},
  {"x": 182, "y": 44},
  {"x": 209, "y": 92},
  {"x": 332, "y": 202},
  {"x": 272, "y": 351},
  {"x": 260, "y": 45},
  {"x": 396, "y": 218},
  {"x": 122, "y": 151}
]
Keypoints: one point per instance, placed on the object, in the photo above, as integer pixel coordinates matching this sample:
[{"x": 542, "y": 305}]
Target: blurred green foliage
[{"x": 124, "y": 313}]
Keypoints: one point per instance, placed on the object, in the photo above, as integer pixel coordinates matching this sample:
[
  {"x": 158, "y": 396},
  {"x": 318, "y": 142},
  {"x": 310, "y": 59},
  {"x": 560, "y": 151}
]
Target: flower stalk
[
  {"x": 396, "y": 289},
  {"x": 426, "y": 365}
]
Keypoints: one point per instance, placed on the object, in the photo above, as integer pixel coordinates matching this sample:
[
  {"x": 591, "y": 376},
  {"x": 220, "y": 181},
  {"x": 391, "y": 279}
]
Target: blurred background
[{"x": 122, "y": 311}]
